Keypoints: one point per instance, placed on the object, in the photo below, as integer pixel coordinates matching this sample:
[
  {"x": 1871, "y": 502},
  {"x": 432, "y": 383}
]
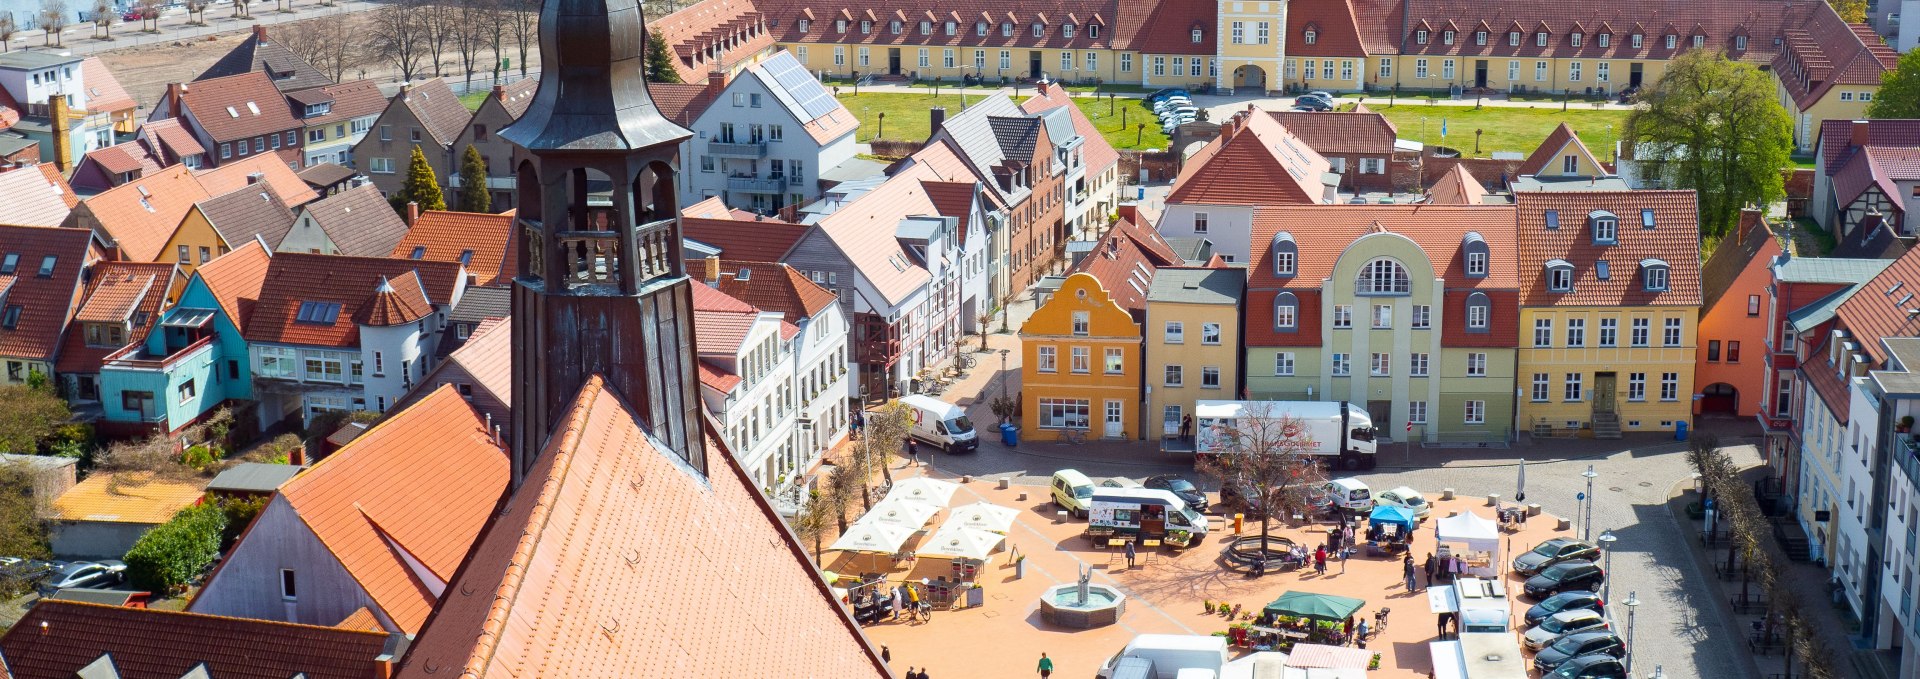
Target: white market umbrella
[
  {"x": 955, "y": 540},
  {"x": 985, "y": 516},
  {"x": 922, "y": 489},
  {"x": 903, "y": 513},
  {"x": 872, "y": 536}
]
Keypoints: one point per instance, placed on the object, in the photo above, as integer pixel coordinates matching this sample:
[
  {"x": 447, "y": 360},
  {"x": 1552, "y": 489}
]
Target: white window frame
[
  {"x": 1176, "y": 333},
  {"x": 1283, "y": 364},
  {"x": 1475, "y": 412}
]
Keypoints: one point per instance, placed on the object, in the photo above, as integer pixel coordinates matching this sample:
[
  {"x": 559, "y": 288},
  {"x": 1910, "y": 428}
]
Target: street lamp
[
  {"x": 1606, "y": 546},
  {"x": 1586, "y": 530},
  {"x": 1630, "y": 603},
  {"x": 1003, "y": 372}
]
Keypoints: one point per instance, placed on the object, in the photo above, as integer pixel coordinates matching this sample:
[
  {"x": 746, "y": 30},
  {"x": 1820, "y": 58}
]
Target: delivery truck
[{"x": 1339, "y": 432}]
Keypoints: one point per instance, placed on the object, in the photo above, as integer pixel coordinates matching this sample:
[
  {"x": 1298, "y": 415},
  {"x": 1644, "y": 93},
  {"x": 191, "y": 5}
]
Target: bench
[
  {"x": 1766, "y": 646},
  {"x": 1748, "y": 604}
]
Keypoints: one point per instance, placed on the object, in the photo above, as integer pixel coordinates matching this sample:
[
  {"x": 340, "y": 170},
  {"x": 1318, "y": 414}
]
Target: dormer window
[
  {"x": 1606, "y": 227},
  {"x": 1479, "y": 308},
  {"x": 1286, "y": 255},
  {"x": 926, "y": 28},
  {"x": 1739, "y": 42},
  {"x": 1474, "y": 246},
  {"x": 1006, "y": 29},
  {"x": 839, "y": 25},
  {"x": 1479, "y": 37},
  {"x": 1039, "y": 30},
  {"x": 1540, "y": 38},
  {"x": 1312, "y": 36},
  {"x": 894, "y": 27},
  {"x": 1420, "y": 36},
  {"x": 1066, "y": 31},
  {"x": 1672, "y": 40},
  {"x": 1654, "y": 274},
  {"x": 980, "y": 28},
  {"x": 1198, "y": 35},
  {"x": 804, "y": 24},
  {"x": 1559, "y": 275},
  {"x": 1093, "y": 30},
  {"x": 1513, "y": 38},
  {"x": 866, "y": 26},
  {"x": 1286, "y": 312},
  {"x": 1446, "y": 37},
  {"x": 1605, "y": 39},
  {"x": 1574, "y": 39},
  {"x": 950, "y": 28},
  {"x": 1699, "y": 41},
  {"x": 1636, "y": 40}
]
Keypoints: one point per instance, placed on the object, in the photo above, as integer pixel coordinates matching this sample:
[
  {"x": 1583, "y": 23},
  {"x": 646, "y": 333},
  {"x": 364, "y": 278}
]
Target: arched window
[
  {"x": 1474, "y": 248},
  {"x": 1479, "y": 309},
  {"x": 1383, "y": 276},
  {"x": 1286, "y": 312},
  {"x": 1606, "y": 227},
  {"x": 1654, "y": 274},
  {"x": 1286, "y": 255}
]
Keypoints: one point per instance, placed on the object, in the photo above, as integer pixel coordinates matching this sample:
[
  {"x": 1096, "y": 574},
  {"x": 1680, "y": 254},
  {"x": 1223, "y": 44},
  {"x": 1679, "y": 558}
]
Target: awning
[
  {"x": 1332, "y": 657},
  {"x": 872, "y": 536},
  {"x": 955, "y": 540},
  {"x": 985, "y": 516},
  {"x": 1324, "y": 607},
  {"x": 1391, "y": 514},
  {"x": 903, "y": 513},
  {"x": 187, "y": 317},
  {"x": 922, "y": 489}
]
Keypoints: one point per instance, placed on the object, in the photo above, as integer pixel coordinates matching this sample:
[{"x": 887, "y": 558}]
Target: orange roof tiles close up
[
  {"x": 395, "y": 302},
  {"x": 238, "y": 174},
  {"x": 1674, "y": 238},
  {"x": 753, "y": 239},
  {"x": 483, "y": 242},
  {"x": 1882, "y": 307}
]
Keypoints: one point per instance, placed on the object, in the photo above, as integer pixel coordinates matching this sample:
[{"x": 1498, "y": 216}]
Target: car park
[
  {"x": 1565, "y": 601},
  {"x": 1553, "y": 551},
  {"x": 1163, "y": 107},
  {"x": 1564, "y": 576},
  {"x": 1167, "y": 93},
  {"x": 1576, "y": 645},
  {"x": 1591, "y": 667},
  {"x": 1562, "y": 624},
  {"x": 1184, "y": 489}
]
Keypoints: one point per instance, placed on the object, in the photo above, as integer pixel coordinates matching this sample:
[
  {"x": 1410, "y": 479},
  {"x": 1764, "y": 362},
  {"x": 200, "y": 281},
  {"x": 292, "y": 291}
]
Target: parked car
[
  {"x": 1405, "y": 498},
  {"x": 1323, "y": 94},
  {"x": 1564, "y": 601},
  {"x": 1577, "y": 645},
  {"x": 29, "y": 571},
  {"x": 100, "y": 574},
  {"x": 1564, "y": 576},
  {"x": 1184, "y": 111},
  {"x": 1591, "y": 667},
  {"x": 1563, "y": 624},
  {"x": 1184, "y": 489},
  {"x": 1553, "y": 551},
  {"x": 1313, "y": 103},
  {"x": 1162, "y": 108},
  {"x": 1120, "y": 482},
  {"x": 1167, "y": 93}
]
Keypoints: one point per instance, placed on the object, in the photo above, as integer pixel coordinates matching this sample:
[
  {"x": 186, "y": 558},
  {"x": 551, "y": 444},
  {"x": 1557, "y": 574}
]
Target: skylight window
[
  {"x": 10, "y": 318},
  {"x": 321, "y": 313},
  {"x": 253, "y": 109},
  {"x": 46, "y": 265},
  {"x": 419, "y": 252},
  {"x": 232, "y": 113},
  {"x": 744, "y": 275},
  {"x": 1553, "y": 219},
  {"x": 1646, "y": 219},
  {"x": 10, "y": 262},
  {"x": 466, "y": 257},
  {"x": 1600, "y": 270}
]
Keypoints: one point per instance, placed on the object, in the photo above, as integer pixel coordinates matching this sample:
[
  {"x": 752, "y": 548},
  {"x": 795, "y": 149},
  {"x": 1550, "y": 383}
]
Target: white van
[
  {"x": 942, "y": 424},
  {"x": 1171, "y": 653},
  {"x": 1349, "y": 494}
]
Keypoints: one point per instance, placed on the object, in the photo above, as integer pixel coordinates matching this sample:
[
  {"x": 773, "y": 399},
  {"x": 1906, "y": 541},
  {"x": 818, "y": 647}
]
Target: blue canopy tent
[
  {"x": 1392, "y": 515},
  {"x": 1389, "y": 529}
]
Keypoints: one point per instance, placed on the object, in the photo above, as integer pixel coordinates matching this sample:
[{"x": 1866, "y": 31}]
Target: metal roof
[
  {"x": 253, "y": 477},
  {"x": 187, "y": 317},
  {"x": 1198, "y": 286}
]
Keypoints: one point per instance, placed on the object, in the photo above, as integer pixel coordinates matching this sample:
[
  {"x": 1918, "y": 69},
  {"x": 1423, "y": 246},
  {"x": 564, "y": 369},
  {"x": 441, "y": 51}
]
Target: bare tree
[
  {"x": 53, "y": 18},
  {"x": 330, "y": 43},
  {"x": 197, "y": 12},
  {"x": 1266, "y": 457},
  {"x": 150, "y": 11},
  {"x": 469, "y": 34},
  {"x": 8, "y": 27},
  {"x": 396, "y": 39},
  {"x": 524, "y": 25},
  {"x": 439, "y": 22},
  {"x": 493, "y": 30},
  {"x": 104, "y": 16},
  {"x": 241, "y": 10}
]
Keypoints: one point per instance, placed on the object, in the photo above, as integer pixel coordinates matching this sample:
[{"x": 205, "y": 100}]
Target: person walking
[
  {"x": 1429, "y": 568},
  {"x": 1406, "y": 572},
  {"x": 1320, "y": 560},
  {"x": 1130, "y": 555},
  {"x": 913, "y": 452},
  {"x": 857, "y": 420},
  {"x": 1348, "y": 629},
  {"x": 1045, "y": 667}
]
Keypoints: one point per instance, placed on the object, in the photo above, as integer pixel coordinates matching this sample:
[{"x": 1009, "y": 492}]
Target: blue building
[{"x": 195, "y": 360}]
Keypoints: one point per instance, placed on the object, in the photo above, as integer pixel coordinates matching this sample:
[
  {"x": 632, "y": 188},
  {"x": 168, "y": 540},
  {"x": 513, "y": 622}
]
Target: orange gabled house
[{"x": 1731, "y": 373}]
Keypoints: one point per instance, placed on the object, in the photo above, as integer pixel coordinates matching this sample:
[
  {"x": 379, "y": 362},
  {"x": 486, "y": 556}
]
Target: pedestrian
[
  {"x": 886, "y": 655},
  {"x": 1320, "y": 560},
  {"x": 858, "y": 420},
  {"x": 923, "y": 673},
  {"x": 1349, "y": 627},
  {"x": 1186, "y": 428},
  {"x": 1429, "y": 568},
  {"x": 1362, "y": 627},
  {"x": 899, "y": 601},
  {"x": 910, "y": 674},
  {"x": 913, "y": 451},
  {"x": 1046, "y": 664},
  {"x": 1443, "y": 625},
  {"x": 1406, "y": 572},
  {"x": 1129, "y": 563}
]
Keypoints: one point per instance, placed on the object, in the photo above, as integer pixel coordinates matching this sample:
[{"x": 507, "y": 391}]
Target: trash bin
[
  {"x": 1680, "y": 431},
  {"x": 1009, "y": 435}
]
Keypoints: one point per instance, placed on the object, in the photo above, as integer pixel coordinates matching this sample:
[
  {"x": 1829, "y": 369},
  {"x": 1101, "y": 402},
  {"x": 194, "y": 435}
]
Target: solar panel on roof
[{"x": 814, "y": 99}]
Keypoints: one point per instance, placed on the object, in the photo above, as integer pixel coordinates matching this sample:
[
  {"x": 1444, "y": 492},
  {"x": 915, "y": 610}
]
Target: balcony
[
  {"x": 136, "y": 357},
  {"x": 775, "y": 184},
  {"x": 752, "y": 150}
]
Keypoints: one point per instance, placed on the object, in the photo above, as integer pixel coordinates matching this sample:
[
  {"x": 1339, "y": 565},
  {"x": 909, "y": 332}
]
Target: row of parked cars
[
  {"x": 48, "y": 577},
  {"x": 1568, "y": 630},
  {"x": 1174, "y": 107}
]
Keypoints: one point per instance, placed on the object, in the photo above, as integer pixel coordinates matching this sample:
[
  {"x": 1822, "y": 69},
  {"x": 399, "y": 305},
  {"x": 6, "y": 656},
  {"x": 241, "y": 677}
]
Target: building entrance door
[
  {"x": 1381, "y": 412},
  {"x": 1033, "y": 65},
  {"x": 893, "y": 61},
  {"x": 1480, "y": 73},
  {"x": 1114, "y": 428},
  {"x": 1603, "y": 396}
]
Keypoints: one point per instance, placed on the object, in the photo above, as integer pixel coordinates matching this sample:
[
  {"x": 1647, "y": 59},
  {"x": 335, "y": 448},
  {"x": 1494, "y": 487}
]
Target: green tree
[
  {"x": 22, "y": 532},
  {"x": 1899, "y": 95},
  {"x": 169, "y": 556},
  {"x": 1713, "y": 125},
  {"x": 421, "y": 186},
  {"x": 1850, "y": 11},
  {"x": 660, "y": 61},
  {"x": 474, "y": 196},
  {"x": 29, "y": 415}
]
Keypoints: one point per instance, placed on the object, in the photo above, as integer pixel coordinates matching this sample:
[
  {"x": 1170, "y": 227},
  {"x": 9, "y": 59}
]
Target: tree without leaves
[
  {"x": 885, "y": 435},
  {"x": 53, "y": 17},
  {"x": 469, "y": 34},
  {"x": 23, "y": 533},
  {"x": 439, "y": 22},
  {"x": 493, "y": 29},
  {"x": 29, "y": 414},
  {"x": 150, "y": 12},
  {"x": 396, "y": 37},
  {"x": 1268, "y": 457},
  {"x": 812, "y": 522},
  {"x": 523, "y": 23},
  {"x": 1715, "y": 126},
  {"x": 474, "y": 196},
  {"x": 1899, "y": 95},
  {"x": 842, "y": 483},
  {"x": 197, "y": 8},
  {"x": 329, "y": 43},
  {"x": 660, "y": 60},
  {"x": 104, "y": 16},
  {"x": 8, "y": 27}
]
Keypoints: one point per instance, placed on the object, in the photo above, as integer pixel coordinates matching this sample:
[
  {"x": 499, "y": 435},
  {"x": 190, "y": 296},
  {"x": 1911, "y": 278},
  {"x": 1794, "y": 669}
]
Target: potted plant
[
  {"x": 1374, "y": 664},
  {"x": 1906, "y": 424}
]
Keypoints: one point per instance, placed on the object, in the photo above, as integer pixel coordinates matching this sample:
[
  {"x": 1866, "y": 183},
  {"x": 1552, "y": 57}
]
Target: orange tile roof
[
  {"x": 239, "y": 106},
  {"x": 487, "y": 359},
  {"x": 395, "y": 301},
  {"x": 1457, "y": 187},
  {"x": 33, "y": 197},
  {"x": 758, "y": 239},
  {"x": 141, "y": 498},
  {"x": 235, "y": 280},
  {"x": 770, "y": 286},
  {"x": 296, "y": 277},
  {"x": 421, "y": 484},
  {"x": 448, "y": 236},
  {"x": 57, "y": 639},
  {"x": 52, "y": 173},
  {"x": 1339, "y": 133},
  {"x": 1322, "y": 233},
  {"x": 117, "y": 292},
  {"x": 717, "y": 378},
  {"x": 1125, "y": 260},
  {"x": 682, "y": 102},
  {"x": 720, "y": 24},
  {"x": 574, "y": 580},
  {"x": 139, "y": 216},
  {"x": 46, "y": 303},
  {"x": 362, "y": 619},
  {"x": 1254, "y": 161},
  {"x": 1543, "y": 157},
  {"x": 1674, "y": 239},
  {"x": 1881, "y": 307},
  {"x": 234, "y": 175}
]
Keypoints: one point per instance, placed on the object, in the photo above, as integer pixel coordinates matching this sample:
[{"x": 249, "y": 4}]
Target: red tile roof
[
  {"x": 1675, "y": 239},
  {"x": 397, "y": 301},
  {"x": 1836, "y": 138},
  {"x": 1876, "y": 166},
  {"x": 682, "y": 102},
  {"x": 421, "y": 484},
  {"x": 517, "y": 95},
  {"x": 46, "y": 303},
  {"x": 124, "y": 157},
  {"x": 1095, "y": 152},
  {"x": 297, "y": 277},
  {"x": 717, "y": 378},
  {"x": 757, "y": 240},
  {"x": 1336, "y": 33},
  {"x": 1718, "y": 20},
  {"x": 173, "y": 138},
  {"x": 726, "y": 31},
  {"x": 1163, "y": 27},
  {"x": 1341, "y": 133},
  {"x": 1882, "y": 306},
  {"x": 572, "y": 579},
  {"x": 1457, "y": 187},
  {"x": 117, "y": 292},
  {"x": 235, "y": 280},
  {"x": 238, "y": 107},
  {"x": 770, "y": 286},
  {"x": 57, "y": 639},
  {"x": 1121, "y": 25},
  {"x": 1254, "y": 161},
  {"x": 1125, "y": 260},
  {"x": 1824, "y": 51},
  {"x": 351, "y": 99},
  {"x": 1544, "y": 156},
  {"x": 139, "y": 216},
  {"x": 484, "y": 240},
  {"x": 438, "y": 109},
  {"x": 722, "y": 323},
  {"x": 237, "y": 174},
  {"x": 52, "y": 173}
]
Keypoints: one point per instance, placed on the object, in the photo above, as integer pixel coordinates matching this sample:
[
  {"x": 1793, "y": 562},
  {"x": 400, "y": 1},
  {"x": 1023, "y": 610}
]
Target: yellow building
[
  {"x": 1080, "y": 369},
  {"x": 1609, "y": 306},
  {"x": 1829, "y": 69},
  {"x": 1192, "y": 341},
  {"x": 214, "y": 226}
]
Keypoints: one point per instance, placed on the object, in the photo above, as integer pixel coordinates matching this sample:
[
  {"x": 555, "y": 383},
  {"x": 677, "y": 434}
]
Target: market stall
[
  {"x": 1468, "y": 544},
  {"x": 1302, "y": 618},
  {"x": 1389, "y": 530},
  {"x": 968, "y": 549}
]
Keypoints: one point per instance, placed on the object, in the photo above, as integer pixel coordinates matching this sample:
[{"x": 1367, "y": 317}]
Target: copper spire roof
[{"x": 594, "y": 51}]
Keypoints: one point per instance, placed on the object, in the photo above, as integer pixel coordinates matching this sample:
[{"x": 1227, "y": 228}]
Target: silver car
[{"x": 1562, "y": 624}]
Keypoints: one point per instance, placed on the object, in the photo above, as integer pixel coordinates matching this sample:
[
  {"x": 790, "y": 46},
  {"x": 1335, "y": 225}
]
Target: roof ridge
[{"x": 163, "y": 612}]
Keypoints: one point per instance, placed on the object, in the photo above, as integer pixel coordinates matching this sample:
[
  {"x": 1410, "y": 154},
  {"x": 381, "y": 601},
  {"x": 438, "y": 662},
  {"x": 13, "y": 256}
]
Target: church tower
[{"x": 602, "y": 287}]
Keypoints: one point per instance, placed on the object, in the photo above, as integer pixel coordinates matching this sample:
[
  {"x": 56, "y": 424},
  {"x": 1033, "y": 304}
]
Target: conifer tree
[
  {"x": 421, "y": 186},
  {"x": 660, "y": 61},
  {"x": 474, "y": 196}
]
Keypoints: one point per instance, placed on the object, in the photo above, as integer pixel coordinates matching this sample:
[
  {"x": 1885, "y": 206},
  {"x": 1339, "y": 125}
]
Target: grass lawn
[
  {"x": 906, "y": 117},
  {"x": 473, "y": 99},
  {"x": 1504, "y": 129}
]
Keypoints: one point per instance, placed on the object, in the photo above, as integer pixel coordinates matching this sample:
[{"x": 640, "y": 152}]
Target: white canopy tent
[
  {"x": 872, "y": 536},
  {"x": 903, "y": 513},
  {"x": 956, "y": 540},
  {"x": 922, "y": 489},
  {"x": 1479, "y": 535},
  {"x": 985, "y": 516}
]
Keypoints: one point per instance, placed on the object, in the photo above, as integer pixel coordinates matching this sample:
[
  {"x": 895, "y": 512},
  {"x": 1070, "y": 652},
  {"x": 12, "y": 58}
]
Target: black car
[
  {"x": 1312, "y": 102},
  {"x": 1565, "y": 576},
  {"x": 1554, "y": 551},
  {"x": 1181, "y": 488},
  {"x": 1599, "y": 666},
  {"x": 1578, "y": 645},
  {"x": 1564, "y": 601}
]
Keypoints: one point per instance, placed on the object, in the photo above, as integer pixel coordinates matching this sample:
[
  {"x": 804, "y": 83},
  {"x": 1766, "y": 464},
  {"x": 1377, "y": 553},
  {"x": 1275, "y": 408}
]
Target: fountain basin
[{"x": 1060, "y": 605}]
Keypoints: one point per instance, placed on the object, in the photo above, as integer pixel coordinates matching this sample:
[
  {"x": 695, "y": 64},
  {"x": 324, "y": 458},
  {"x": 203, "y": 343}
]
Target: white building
[
  {"x": 768, "y": 139},
  {"x": 1896, "y": 389}
]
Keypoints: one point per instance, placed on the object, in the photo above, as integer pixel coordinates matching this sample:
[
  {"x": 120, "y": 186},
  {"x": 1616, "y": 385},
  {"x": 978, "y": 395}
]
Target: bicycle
[
  {"x": 1073, "y": 436},
  {"x": 965, "y": 362}
]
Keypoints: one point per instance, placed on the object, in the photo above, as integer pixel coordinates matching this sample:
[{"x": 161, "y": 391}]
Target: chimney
[
  {"x": 500, "y": 92},
  {"x": 713, "y": 271},
  {"x": 1129, "y": 212},
  {"x": 717, "y": 80},
  {"x": 62, "y": 136},
  {"x": 937, "y": 116},
  {"x": 260, "y": 32},
  {"x": 1859, "y": 134},
  {"x": 175, "y": 92},
  {"x": 256, "y": 178},
  {"x": 413, "y": 213}
]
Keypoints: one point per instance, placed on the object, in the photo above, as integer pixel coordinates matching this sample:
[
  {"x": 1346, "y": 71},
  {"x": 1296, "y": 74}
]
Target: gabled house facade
[
  {"x": 1255, "y": 161},
  {"x": 357, "y": 222},
  {"x": 766, "y": 139},
  {"x": 215, "y": 226},
  {"x": 1014, "y": 156},
  {"x": 334, "y": 118},
  {"x": 1841, "y": 149},
  {"x": 235, "y": 117},
  {"x": 502, "y": 107},
  {"x": 1093, "y": 179},
  {"x": 120, "y": 308},
  {"x": 41, "y": 286},
  {"x": 426, "y": 114},
  {"x": 1081, "y": 362},
  {"x": 1731, "y": 364},
  {"x": 91, "y": 113},
  {"x": 1358, "y": 146},
  {"x": 1828, "y": 69},
  {"x": 1192, "y": 338}
]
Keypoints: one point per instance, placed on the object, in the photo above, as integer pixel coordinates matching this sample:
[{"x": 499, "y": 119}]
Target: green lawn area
[
  {"x": 906, "y": 117},
  {"x": 473, "y": 99},
  {"x": 1504, "y": 128}
]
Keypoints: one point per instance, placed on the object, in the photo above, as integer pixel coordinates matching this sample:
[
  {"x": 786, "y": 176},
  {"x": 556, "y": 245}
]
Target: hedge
[{"x": 172, "y": 554}]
